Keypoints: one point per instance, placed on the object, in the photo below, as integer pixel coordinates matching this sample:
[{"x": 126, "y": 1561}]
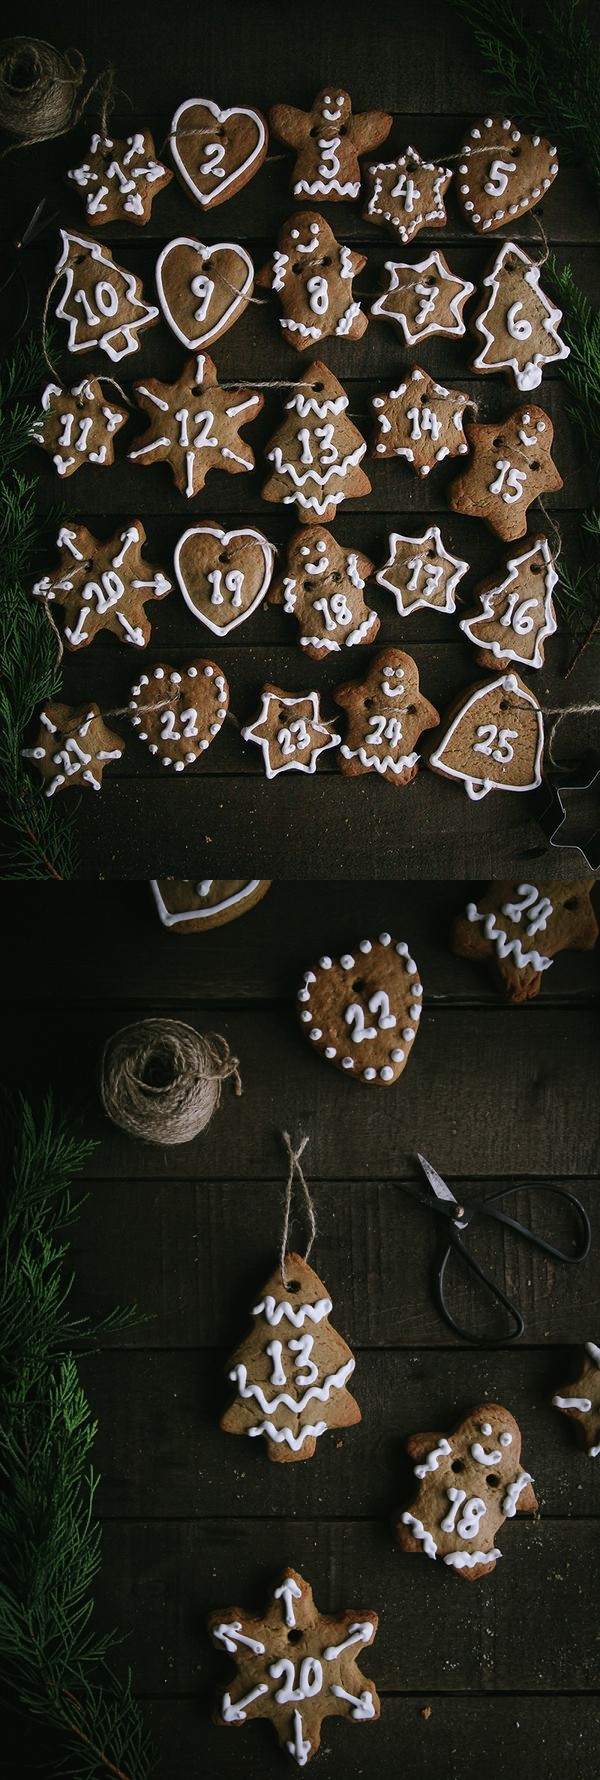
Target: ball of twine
[
  {"x": 40, "y": 88},
  {"x": 161, "y": 1081}
]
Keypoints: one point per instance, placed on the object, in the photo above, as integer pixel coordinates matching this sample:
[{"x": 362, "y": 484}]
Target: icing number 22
[{"x": 354, "y": 1016}]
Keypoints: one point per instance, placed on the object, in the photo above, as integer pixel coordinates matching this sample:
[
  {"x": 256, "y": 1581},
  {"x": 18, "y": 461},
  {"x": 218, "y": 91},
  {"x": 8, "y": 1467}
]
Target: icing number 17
[{"x": 354, "y": 1016}]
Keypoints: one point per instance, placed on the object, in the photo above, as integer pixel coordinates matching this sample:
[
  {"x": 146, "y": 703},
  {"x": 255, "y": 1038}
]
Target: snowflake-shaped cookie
[
  {"x": 103, "y": 585},
  {"x": 195, "y": 425},
  {"x": 421, "y": 421},
  {"x": 78, "y": 426},
  {"x": 120, "y": 179},
  {"x": 421, "y": 572},
  {"x": 290, "y": 731},
  {"x": 73, "y": 747}
]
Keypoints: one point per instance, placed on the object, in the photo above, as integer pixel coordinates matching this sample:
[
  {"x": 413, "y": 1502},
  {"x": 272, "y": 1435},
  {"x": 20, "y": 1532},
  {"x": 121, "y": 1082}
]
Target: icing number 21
[{"x": 354, "y": 1016}]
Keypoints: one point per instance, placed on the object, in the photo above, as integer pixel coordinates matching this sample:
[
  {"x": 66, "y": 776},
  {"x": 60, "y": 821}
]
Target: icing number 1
[
  {"x": 490, "y": 735},
  {"x": 354, "y": 1016}
]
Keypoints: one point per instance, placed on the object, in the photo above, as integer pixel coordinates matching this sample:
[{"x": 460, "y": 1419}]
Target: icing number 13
[{"x": 354, "y": 1016}]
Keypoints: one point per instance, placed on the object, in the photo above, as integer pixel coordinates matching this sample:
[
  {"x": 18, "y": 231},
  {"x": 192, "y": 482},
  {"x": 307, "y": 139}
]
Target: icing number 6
[
  {"x": 498, "y": 180},
  {"x": 354, "y": 1016},
  {"x": 490, "y": 735},
  {"x": 310, "y": 1679},
  {"x": 214, "y": 153},
  {"x": 517, "y": 325}
]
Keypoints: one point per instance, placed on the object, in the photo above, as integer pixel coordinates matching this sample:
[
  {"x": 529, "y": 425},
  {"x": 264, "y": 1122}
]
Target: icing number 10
[{"x": 354, "y": 1016}]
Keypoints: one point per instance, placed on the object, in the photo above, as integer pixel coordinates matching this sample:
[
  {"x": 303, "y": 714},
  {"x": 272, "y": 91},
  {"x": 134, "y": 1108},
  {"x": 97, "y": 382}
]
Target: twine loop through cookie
[
  {"x": 161, "y": 1081},
  {"x": 295, "y": 1169}
]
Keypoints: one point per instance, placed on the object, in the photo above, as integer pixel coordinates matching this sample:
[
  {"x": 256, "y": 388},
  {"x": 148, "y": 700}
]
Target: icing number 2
[
  {"x": 538, "y": 908},
  {"x": 354, "y": 1016},
  {"x": 210, "y": 166},
  {"x": 495, "y": 742}
]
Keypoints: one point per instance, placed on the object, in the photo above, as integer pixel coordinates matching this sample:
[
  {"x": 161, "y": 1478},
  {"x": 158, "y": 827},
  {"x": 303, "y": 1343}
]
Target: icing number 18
[
  {"x": 354, "y": 1016},
  {"x": 335, "y": 610}
]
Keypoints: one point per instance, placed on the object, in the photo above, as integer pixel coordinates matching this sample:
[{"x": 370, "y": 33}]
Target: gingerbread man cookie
[
  {"x": 312, "y": 274},
  {"x": 323, "y": 588},
  {"x": 493, "y": 738},
  {"x": 101, "y": 302},
  {"x": 511, "y": 465},
  {"x": 386, "y": 715},
  {"x": 406, "y": 194},
  {"x": 179, "y": 712},
  {"x": 468, "y": 1485},
  {"x": 216, "y": 152},
  {"x": 223, "y": 576},
  {"x": 73, "y": 748},
  {"x": 195, "y": 425},
  {"x": 103, "y": 585},
  {"x": 502, "y": 173},
  {"x": 518, "y": 929},
  {"x": 362, "y": 1011},
  {"x": 421, "y": 572},
  {"x": 421, "y": 421},
  {"x": 328, "y": 140},
  {"x": 120, "y": 179},
  {"x": 515, "y": 610},
  {"x": 203, "y": 290},
  {"x": 580, "y": 1400},
  {"x": 316, "y": 453},
  {"x": 290, "y": 731},
  {"x": 516, "y": 321},
  {"x": 424, "y": 299},
  {"x": 78, "y": 426},
  {"x": 188, "y": 905},
  {"x": 295, "y": 1666}
]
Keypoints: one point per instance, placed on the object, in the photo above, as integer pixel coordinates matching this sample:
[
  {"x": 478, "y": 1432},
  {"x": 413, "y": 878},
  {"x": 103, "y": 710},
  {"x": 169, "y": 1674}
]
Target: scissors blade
[{"x": 439, "y": 1186}]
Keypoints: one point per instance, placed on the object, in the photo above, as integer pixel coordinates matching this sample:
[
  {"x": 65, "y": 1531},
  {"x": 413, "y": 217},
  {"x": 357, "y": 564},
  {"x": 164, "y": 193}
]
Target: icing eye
[
  {"x": 340, "y": 99},
  {"x": 321, "y": 546},
  {"x": 314, "y": 228},
  {"x": 387, "y": 673},
  {"x": 295, "y": 234},
  {"x": 327, "y": 99},
  {"x": 304, "y": 550}
]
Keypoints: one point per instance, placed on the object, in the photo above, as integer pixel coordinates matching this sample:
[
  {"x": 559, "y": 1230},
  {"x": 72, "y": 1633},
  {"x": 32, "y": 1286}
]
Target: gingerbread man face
[
  {"x": 312, "y": 273},
  {"x": 323, "y": 589},
  {"x": 386, "y": 713},
  {"x": 468, "y": 1485},
  {"x": 328, "y": 140}
]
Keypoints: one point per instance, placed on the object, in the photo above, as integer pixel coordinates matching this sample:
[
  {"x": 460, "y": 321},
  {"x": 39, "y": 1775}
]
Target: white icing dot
[
  {"x": 397, "y": 1056},
  {"x": 330, "y": 1050},
  {"x": 402, "y": 948},
  {"x": 347, "y": 1063},
  {"x": 415, "y": 1011},
  {"x": 418, "y": 989},
  {"x": 346, "y": 961},
  {"x": 411, "y": 968},
  {"x": 386, "y": 1073},
  {"x": 365, "y": 945},
  {"x": 175, "y": 679},
  {"x": 325, "y": 963},
  {"x": 316, "y": 1032},
  {"x": 506, "y": 1439},
  {"x": 385, "y": 939},
  {"x": 486, "y": 1428},
  {"x": 159, "y": 674},
  {"x": 369, "y": 1074},
  {"x": 192, "y": 673},
  {"x": 408, "y": 1033},
  {"x": 306, "y": 1014},
  {"x": 208, "y": 673},
  {"x": 303, "y": 995},
  {"x": 190, "y": 759}
]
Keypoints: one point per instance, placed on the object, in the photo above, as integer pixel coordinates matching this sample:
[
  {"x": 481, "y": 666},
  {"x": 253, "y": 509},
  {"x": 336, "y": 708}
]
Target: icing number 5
[
  {"x": 498, "y": 180},
  {"x": 214, "y": 153},
  {"x": 495, "y": 742},
  {"x": 354, "y": 1016}
]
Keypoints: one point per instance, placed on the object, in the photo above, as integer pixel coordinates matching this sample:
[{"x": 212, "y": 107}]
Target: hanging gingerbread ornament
[
  {"x": 493, "y": 738},
  {"x": 386, "y": 713},
  {"x": 406, "y": 194},
  {"x": 103, "y": 585},
  {"x": 516, "y": 321},
  {"x": 73, "y": 747},
  {"x": 195, "y": 425},
  {"x": 101, "y": 302},
  {"x": 502, "y": 173},
  {"x": 421, "y": 572},
  {"x": 312, "y": 274},
  {"x": 78, "y": 426},
  {"x": 216, "y": 151},
  {"x": 316, "y": 452},
  {"x": 120, "y": 179},
  {"x": 323, "y": 589},
  {"x": 203, "y": 290},
  {"x": 515, "y": 613},
  {"x": 362, "y": 1011},
  {"x": 328, "y": 140},
  {"x": 421, "y": 421},
  {"x": 423, "y": 299},
  {"x": 511, "y": 465},
  {"x": 467, "y": 1486}
]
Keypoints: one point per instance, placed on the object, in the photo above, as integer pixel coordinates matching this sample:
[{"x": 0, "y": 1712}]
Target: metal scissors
[{"x": 442, "y": 1201}]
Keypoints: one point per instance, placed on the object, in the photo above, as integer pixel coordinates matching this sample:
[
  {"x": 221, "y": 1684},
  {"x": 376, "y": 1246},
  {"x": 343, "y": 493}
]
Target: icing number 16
[{"x": 354, "y": 1016}]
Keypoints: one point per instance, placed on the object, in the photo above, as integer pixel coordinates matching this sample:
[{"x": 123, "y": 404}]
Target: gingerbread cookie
[
  {"x": 421, "y": 421},
  {"x": 290, "y": 1374},
  {"x": 407, "y": 194},
  {"x": 362, "y": 1011},
  {"x": 216, "y": 152},
  {"x": 120, "y": 179},
  {"x": 73, "y": 747},
  {"x": 223, "y": 576},
  {"x": 515, "y": 611},
  {"x": 290, "y": 731},
  {"x": 580, "y": 1400},
  {"x": 312, "y": 274},
  {"x": 316, "y": 452},
  {"x": 202, "y": 290},
  {"x": 424, "y": 299},
  {"x": 502, "y": 173},
  {"x": 101, "y": 302},
  {"x": 518, "y": 929},
  {"x": 511, "y": 465},
  {"x": 295, "y": 1666},
  {"x": 195, "y": 425},
  {"x": 517, "y": 322},
  {"x": 323, "y": 588},
  {"x": 493, "y": 738},
  {"x": 103, "y": 585},
  {"x": 179, "y": 713},
  {"x": 468, "y": 1485},
  {"x": 328, "y": 140},
  {"x": 421, "y": 572},
  {"x": 78, "y": 426},
  {"x": 386, "y": 714},
  {"x": 189, "y": 906}
]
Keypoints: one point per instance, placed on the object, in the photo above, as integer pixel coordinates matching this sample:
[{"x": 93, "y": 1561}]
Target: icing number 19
[
  {"x": 490, "y": 735},
  {"x": 233, "y": 582},
  {"x": 354, "y": 1016}
]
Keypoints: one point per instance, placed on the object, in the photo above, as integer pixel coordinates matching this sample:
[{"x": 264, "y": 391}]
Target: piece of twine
[
  {"x": 161, "y": 1081},
  {"x": 40, "y": 91},
  {"x": 559, "y": 714},
  {"x": 295, "y": 1169}
]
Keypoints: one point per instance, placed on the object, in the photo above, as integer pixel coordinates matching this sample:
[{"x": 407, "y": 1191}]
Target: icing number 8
[
  {"x": 310, "y": 1679},
  {"x": 318, "y": 295},
  {"x": 298, "y": 730},
  {"x": 490, "y": 735},
  {"x": 214, "y": 153},
  {"x": 354, "y": 1016}
]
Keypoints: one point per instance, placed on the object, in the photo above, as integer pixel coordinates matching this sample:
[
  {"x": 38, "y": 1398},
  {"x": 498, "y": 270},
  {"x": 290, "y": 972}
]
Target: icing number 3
[
  {"x": 495, "y": 742},
  {"x": 354, "y": 1016},
  {"x": 210, "y": 166}
]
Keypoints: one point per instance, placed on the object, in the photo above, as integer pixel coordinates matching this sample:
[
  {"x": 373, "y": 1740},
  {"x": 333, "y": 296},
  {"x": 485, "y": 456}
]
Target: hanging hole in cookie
[
  {"x": 369, "y": 703},
  {"x": 326, "y": 261},
  {"x": 411, "y": 710},
  {"x": 358, "y": 986},
  {"x": 336, "y": 576},
  {"x": 317, "y": 386},
  {"x": 535, "y": 466},
  {"x": 571, "y": 903},
  {"x": 223, "y": 556},
  {"x": 498, "y": 444},
  {"x": 295, "y": 1635},
  {"x": 536, "y": 568},
  {"x": 293, "y": 1285},
  {"x": 315, "y": 130},
  {"x": 457, "y": 1465},
  {"x": 515, "y": 153},
  {"x": 504, "y": 705},
  {"x": 493, "y": 1480}
]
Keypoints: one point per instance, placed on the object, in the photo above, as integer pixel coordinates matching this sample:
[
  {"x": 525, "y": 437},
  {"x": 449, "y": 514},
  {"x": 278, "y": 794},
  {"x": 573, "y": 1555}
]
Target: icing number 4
[
  {"x": 354, "y": 1016},
  {"x": 495, "y": 742}
]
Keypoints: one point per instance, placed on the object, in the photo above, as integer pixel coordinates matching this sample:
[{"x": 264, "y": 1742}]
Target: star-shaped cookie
[
  {"x": 511, "y": 465},
  {"x": 195, "y": 425},
  {"x": 73, "y": 747},
  {"x": 120, "y": 179},
  {"x": 78, "y": 426},
  {"x": 295, "y": 1666},
  {"x": 290, "y": 731},
  {"x": 323, "y": 589},
  {"x": 424, "y": 299},
  {"x": 421, "y": 572},
  {"x": 581, "y": 1400},
  {"x": 328, "y": 140},
  {"x": 406, "y": 194},
  {"x": 103, "y": 585},
  {"x": 386, "y": 714},
  {"x": 421, "y": 421}
]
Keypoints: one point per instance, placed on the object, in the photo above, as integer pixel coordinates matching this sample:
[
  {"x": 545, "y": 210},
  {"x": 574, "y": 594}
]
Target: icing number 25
[
  {"x": 495, "y": 742},
  {"x": 354, "y": 1016}
]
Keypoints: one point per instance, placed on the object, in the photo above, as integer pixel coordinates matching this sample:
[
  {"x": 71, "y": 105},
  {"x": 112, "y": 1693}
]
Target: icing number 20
[
  {"x": 354, "y": 1016},
  {"x": 310, "y": 1679},
  {"x": 490, "y": 735}
]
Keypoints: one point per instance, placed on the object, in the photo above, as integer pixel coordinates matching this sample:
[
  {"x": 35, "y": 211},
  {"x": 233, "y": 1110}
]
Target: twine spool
[
  {"x": 161, "y": 1081},
  {"x": 40, "y": 88}
]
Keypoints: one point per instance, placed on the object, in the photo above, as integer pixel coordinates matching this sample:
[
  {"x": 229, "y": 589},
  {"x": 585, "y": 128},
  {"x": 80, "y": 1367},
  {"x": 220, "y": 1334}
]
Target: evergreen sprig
[
  {"x": 54, "y": 1665},
  {"x": 547, "y": 71},
  {"x": 578, "y": 592}
]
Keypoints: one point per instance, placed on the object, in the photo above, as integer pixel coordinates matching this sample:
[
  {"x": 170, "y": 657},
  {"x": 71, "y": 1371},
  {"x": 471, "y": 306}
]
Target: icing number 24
[{"x": 354, "y": 1016}]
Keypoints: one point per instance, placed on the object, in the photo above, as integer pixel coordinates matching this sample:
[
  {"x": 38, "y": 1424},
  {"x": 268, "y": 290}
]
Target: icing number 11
[{"x": 354, "y": 1016}]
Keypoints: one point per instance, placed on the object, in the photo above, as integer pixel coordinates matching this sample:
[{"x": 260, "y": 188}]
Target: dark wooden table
[
  {"x": 500, "y": 1673},
  {"x": 421, "y": 64}
]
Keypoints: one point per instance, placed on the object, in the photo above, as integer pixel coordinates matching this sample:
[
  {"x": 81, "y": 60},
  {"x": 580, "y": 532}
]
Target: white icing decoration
[
  {"x": 362, "y": 1703},
  {"x": 417, "y": 331},
  {"x": 310, "y": 1679},
  {"x": 527, "y": 371},
  {"x": 230, "y": 1634},
  {"x": 466, "y": 1560},
  {"x": 359, "y": 1633},
  {"x": 505, "y": 1439},
  {"x": 170, "y": 919},
  {"x": 593, "y": 1351},
  {"x": 241, "y": 171},
  {"x": 517, "y": 618},
  {"x": 224, "y": 539},
  {"x": 433, "y": 1458},
  {"x": 108, "y": 338},
  {"x": 288, "y": 1592},
  {"x": 476, "y": 786},
  {"x": 224, "y": 315},
  {"x": 473, "y": 1512},
  {"x": 308, "y": 1432},
  {"x": 289, "y": 747},
  {"x": 318, "y": 1393},
  {"x": 236, "y": 1713},
  {"x": 416, "y": 1527},
  {"x": 482, "y": 1457},
  {"x": 274, "y": 1311},
  {"x": 435, "y": 214},
  {"x": 505, "y": 947},
  {"x": 300, "y": 1746},
  {"x": 456, "y": 1497},
  {"x": 426, "y": 574},
  {"x": 509, "y": 1505}
]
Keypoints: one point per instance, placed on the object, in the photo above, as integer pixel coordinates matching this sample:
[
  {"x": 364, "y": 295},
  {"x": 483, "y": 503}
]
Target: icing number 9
[
  {"x": 502, "y": 738},
  {"x": 378, "y": 1004},
  {"x": 517, "y": 325},
  {"x": 295, "y": 738},
  {"x": 310, "y": 1679},
  {"x": 214, "y": 153},
  {"x": 202, "y": 287}
]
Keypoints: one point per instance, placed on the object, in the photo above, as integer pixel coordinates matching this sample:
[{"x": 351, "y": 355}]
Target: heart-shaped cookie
[
  {"x": 179, "y": 713},
  {"x": 217, "y": 152},
  {"x": 362, "y": 1011},
  {"x": 223, "y": 576},
  {"x": 202, "y": 290},
  {"x": 502, "y": 172}
]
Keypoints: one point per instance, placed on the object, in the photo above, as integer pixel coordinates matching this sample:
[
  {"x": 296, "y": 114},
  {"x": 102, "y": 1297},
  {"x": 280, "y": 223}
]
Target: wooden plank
[
  {"x": 524, "y": 1627},
  {"x": 531, "y": 1064},
  {"x": 172, "y": 1403},
  {"x": 197, "y": 1256}
]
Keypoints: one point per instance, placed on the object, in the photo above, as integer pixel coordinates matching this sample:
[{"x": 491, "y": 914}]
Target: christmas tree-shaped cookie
[
  {"x": 102, "y": 302},
  {"x": 316, "y": 452},
  {"x": 515, "y": 612},
  {"x": 516, "y": 321},
  {"x": 291, "y": 1371}
]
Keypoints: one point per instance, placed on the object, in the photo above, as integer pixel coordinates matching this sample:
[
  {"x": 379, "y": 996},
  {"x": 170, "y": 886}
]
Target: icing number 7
[
  {"x": 297, "y": 730},
  {"x": 214, "y": 153},
  {"x": 378, "y": 1004},
  {"x": 495, "y": 742}
]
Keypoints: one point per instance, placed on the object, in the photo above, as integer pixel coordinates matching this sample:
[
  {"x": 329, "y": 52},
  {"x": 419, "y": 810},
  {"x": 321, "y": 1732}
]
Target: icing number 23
[{"x": 354, "y": 1016}]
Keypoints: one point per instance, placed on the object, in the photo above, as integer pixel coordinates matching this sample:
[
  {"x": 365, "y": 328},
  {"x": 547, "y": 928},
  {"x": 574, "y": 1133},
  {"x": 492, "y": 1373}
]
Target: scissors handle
[
  {"x": 456, "y": 1242},
  {"x": 547, "y": 1248}
]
